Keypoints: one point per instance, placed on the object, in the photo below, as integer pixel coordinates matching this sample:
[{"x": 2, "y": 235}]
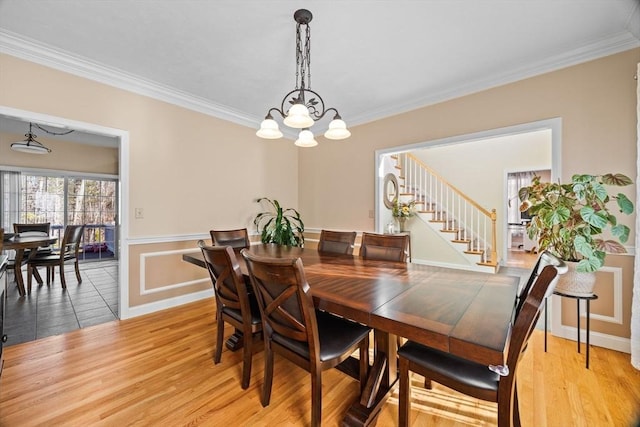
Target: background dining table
[
  {"x": 20, "y": 244},
  {"x": 465, "y": 313}
]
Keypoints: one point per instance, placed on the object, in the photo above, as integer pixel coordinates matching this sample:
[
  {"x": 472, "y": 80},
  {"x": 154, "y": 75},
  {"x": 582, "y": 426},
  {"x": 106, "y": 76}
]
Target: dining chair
[
  {"x": 384, "y": 247},
  {"x": 69, "y": 249},
  {"x": 312, "y": 339},
  {"x": 337, "y": 242},
  {"x": 238, "y": 239},
  {"x": 545, "y": 258},
  {"x": 36, "y": 229},
  {"x": 234, "y": 303},
  {"x": 491, "y": 383}
]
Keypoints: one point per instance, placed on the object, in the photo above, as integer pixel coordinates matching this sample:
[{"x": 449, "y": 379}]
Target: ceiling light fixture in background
[
  {"x": 306, "y": 105},
  {"x": 30, "y": 145}
]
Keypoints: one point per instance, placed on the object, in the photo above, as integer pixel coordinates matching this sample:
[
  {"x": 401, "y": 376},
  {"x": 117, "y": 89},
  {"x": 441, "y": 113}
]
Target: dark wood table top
[
  {"x": 28, "y": 242},
  {"x": 465, "y": 313}
]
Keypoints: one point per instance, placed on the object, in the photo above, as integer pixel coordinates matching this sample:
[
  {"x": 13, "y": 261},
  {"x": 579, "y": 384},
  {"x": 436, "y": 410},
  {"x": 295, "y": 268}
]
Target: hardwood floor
[{"x": 157, "y": 370}]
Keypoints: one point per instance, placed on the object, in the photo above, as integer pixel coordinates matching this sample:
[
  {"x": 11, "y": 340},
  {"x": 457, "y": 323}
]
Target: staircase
[{"x": 469, "y": 228}]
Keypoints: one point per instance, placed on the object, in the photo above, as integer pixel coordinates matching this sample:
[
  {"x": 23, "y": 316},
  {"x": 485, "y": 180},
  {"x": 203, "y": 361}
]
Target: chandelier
[
  {"x": 31, "y": 145},
  {"x": 305, "y": 106}
]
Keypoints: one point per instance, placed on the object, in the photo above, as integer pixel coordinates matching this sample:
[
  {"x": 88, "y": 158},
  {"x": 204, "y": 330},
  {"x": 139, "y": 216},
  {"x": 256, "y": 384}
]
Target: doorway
[
  {"x": 547, "y": 141},
  {"x": 120, "y": 140}
]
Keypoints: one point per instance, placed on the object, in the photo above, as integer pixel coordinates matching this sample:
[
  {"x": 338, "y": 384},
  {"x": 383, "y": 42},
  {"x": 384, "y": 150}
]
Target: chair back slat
[
  {"x": 229, "y": 287},
  {"x": 545, "y": 258},
  {"x": 529, "y": 312},
  {"x": 71, "y": 241},
  {"x": 284, "y": 299},
  {"x": 338, "y": 242},
  {"x": 384, "y": 247},
  {"x": 44, "y": 227},
  {"x": 237, "y": 239}
]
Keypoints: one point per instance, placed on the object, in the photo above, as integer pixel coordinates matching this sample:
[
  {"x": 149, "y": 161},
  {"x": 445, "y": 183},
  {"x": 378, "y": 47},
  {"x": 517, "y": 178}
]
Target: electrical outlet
[{"x": 139, "y": 212}]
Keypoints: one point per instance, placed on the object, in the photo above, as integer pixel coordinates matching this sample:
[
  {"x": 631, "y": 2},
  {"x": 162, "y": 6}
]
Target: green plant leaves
[
  {"x": 279, "y": 226},
  {"x": 559, "y": 215},
  {"x": 593, "y": 218},
  {"x": 625, "y": 205},
  {"x": 618, "y": 179},
  {"x": 566, "y": 218}
]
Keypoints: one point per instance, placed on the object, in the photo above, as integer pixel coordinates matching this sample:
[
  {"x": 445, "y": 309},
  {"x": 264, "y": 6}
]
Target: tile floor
[{"x": 51, "y": 310}]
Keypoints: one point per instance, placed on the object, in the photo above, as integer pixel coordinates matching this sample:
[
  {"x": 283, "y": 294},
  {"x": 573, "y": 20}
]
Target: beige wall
[
  {"x": 189, "y": 172},
  {"x": 64, "y": 156},
  {"x": 595, "y": 100}
]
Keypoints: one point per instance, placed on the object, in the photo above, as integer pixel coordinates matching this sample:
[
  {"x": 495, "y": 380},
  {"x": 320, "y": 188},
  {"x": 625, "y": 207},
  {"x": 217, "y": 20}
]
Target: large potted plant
[
  {"x": 282, "y": 226},
  {"x": 569, "y": 219}
]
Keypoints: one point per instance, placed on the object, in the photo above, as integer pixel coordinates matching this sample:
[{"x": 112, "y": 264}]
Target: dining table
[
  {"x": 20, "y": 244},
  {"x": 465, "y": 313}
]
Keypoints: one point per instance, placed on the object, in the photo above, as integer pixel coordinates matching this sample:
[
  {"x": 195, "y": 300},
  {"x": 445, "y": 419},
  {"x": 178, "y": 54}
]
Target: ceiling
[{"x": 370, "y": 59}]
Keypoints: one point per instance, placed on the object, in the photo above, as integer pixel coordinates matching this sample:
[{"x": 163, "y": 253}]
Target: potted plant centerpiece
[
  {"x": 569, "y": 219},
  {"x": 402, "y": 211},
  {"x": 282, "y": 226}
]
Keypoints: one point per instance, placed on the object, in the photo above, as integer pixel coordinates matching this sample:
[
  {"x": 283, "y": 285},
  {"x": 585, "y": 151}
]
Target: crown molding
[
  {"x": 21, "y": 47},
  {"x": 615, "y": 44},
  {"x": 30, "y": 50}
]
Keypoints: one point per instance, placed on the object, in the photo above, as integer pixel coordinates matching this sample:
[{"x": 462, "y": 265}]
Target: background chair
[
  {"x": 40, "y": 229},
  {"x": 69, "y": 249},
  {"x": 338, "y": 242},
  {"x": 493, "y": 383},
  {"x": 234, "y": 304},
  {"x": 384, "y": 247},
  {"x": 310, "y": 338},
  {"x": 237, "y": 239}
]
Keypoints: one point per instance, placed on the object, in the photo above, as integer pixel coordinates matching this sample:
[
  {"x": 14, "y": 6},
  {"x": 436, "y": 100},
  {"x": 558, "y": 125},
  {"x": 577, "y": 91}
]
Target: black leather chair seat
[
  {"x": 336, "y": 335},
  {"x": 237, "y": 315},
  {"x": 465, "y": 372}
]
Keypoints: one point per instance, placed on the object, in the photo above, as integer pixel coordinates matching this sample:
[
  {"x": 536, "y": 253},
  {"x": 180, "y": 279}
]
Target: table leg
[
  {"x": 235, "y": 341},
  {"x": 382, "y": 375}
]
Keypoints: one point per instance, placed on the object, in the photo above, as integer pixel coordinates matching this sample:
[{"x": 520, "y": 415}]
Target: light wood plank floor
[{"x": 157, "y": 370}]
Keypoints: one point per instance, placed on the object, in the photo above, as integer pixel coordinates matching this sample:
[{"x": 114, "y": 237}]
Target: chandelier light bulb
[
  {"x": 298, "y": 117},
  {"x": 269, "y": 129},
  {"x": 306, "y": 139},
  {"x": 337, "y": 130}
]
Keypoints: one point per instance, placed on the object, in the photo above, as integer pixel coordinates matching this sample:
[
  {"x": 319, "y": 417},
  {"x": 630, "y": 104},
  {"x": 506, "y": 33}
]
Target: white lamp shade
[
  {"x": 298, "y": 117},
  {"x": 337, "y": 130},
  {"x": 27, "y": 147},
  {"x": 269, "y": 129},
  {"x": 306, "y": 139}
]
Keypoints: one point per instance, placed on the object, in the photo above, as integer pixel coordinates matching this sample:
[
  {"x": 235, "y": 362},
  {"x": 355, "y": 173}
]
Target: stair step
[
  {"x": 394, "y": 156},
  {"x": 398, "y": 167},
  {"x": 461, "y": 241},
  {"x": 450, "y": 230},
  {"x": 494, "y": 265},
  {"x": 470, "y": 252}
]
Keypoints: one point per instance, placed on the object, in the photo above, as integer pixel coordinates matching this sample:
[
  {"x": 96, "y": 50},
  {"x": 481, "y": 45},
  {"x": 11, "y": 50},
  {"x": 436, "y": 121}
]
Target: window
[{"x": 61, "y": 200}]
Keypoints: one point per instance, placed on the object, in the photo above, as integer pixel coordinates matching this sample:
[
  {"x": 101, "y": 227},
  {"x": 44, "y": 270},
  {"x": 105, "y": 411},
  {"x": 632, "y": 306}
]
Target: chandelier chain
[
  {"x": 52, "y": 133},
  {"x": 307, "y": 55}
]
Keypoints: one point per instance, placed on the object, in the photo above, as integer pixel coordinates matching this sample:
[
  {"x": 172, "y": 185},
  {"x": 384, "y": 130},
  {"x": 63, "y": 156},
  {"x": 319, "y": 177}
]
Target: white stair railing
[{"x": 462, "y": 216}]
